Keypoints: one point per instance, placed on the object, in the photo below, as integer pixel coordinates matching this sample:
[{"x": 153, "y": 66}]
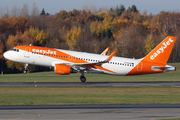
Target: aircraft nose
[{"x": 7, "y": 55}]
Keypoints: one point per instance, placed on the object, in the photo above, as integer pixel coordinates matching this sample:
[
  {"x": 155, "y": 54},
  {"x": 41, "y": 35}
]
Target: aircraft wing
[{"x": 88, "y": 66}]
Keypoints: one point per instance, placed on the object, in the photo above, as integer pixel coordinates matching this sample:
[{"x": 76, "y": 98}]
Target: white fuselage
[{"x": 119, "y": 65}]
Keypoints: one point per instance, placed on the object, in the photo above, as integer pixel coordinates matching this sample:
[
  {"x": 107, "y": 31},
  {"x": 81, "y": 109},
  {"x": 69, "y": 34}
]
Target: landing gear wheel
[{"x": 82, "y": 78}]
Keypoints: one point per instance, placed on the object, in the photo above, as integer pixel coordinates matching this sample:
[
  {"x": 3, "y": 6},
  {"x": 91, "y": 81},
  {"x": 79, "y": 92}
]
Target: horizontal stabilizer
[{"x": 166, "y": 69}]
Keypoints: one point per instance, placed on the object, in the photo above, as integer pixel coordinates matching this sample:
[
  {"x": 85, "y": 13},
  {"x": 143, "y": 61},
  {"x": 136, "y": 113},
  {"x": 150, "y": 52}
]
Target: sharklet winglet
[{"x": 110, "y": 57}]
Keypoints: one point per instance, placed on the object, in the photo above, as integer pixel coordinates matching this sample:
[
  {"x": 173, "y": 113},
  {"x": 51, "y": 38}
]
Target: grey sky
[{"x": 54, "y": 6}]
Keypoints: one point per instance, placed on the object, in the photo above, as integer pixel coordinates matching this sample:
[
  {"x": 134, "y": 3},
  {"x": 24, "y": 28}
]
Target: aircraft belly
[{"x": 117, "y": 69}]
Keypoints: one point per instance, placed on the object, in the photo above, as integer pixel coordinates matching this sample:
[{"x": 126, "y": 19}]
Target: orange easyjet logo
[{"x": 161, "y": 49}]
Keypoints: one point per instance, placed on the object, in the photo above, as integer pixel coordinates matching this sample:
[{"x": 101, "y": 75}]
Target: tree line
[{"x": 131, "y": 33}]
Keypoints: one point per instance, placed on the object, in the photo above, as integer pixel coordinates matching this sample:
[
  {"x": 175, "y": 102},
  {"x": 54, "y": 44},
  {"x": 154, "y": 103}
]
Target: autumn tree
[
  {"x": 149, "y": 44},
  {"x": 130, "y": 42},
  {"x": 82, "y": 19},
  {"x": 14, "y": 25},
  {"x": 165, "y": 22},
  {"x": 38, "y": 35},
  {"x": 72, "y": 37},
  {"x": 102, "y": 29},
  {"x": 102, "y": 14},
  {"x": 62, "y": 14}
]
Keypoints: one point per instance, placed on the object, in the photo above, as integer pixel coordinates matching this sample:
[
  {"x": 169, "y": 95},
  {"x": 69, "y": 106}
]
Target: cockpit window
[{"x": 16, "y": 50}]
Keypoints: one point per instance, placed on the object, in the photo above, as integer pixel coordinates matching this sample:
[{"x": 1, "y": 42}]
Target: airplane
[{"x": 66, "y": 61}]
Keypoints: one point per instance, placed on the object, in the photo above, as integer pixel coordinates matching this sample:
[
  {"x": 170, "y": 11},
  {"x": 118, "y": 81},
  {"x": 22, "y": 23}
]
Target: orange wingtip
[
  {"x": 110, "y": 57},
  {"x": 105, "y": 51}
]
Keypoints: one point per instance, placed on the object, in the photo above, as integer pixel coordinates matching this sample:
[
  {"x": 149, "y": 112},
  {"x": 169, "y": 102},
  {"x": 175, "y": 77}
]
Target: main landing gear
[{"x": 82, "y": 78}]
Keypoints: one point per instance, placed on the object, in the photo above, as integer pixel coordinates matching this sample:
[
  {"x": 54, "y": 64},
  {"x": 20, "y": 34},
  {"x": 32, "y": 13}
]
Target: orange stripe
[{"x": 53, "y": 53}]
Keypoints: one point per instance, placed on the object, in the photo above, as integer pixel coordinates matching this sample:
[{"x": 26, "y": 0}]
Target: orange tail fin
[{"x": 160, "y": 54}]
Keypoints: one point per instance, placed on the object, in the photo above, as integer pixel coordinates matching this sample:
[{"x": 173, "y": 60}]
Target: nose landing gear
[{"x": 25, "y": 70}]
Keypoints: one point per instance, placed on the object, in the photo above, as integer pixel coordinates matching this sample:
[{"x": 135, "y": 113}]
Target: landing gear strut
[
  {"x": 82, "y": 78},
  {"x": 25, "y": 70}
]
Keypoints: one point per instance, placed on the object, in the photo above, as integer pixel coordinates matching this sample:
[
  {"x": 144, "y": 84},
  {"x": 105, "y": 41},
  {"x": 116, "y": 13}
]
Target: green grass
[
  {"x": 52, "y": 77},
  {"x": 88, "y": 95}
]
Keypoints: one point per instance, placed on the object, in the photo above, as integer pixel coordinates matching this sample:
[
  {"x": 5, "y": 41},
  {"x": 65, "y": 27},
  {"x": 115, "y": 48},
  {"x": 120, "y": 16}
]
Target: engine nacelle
[{"x": 63, "y": 69}]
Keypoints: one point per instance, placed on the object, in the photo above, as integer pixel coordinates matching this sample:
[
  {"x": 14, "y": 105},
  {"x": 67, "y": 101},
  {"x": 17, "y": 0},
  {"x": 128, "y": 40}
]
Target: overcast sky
[{"x": 54, "y": 6}]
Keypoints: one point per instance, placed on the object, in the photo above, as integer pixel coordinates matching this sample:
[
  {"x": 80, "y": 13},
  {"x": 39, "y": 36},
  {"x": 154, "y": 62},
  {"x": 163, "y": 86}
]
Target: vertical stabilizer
[{"x": 161, "y": 53}]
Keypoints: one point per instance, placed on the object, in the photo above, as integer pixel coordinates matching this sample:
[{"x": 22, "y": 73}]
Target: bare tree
[
  {"x": 14, "y": 12},
  {"x": 93, "y": 9},
  {"x": 103, "y": 8},
  {"x": 25, "y": 11},
  {"x": 2, "y": 12},
  {"x": 7, "y": 12},
  {"x": 35, "y": 10},
  {"x": 86, "y": 8}
]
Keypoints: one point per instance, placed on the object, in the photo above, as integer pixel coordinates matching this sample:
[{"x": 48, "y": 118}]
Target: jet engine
[{"x": 63, "y": 69}]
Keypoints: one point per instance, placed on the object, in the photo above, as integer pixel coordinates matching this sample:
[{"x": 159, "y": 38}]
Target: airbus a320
[{"x": 66, "y": 61}]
